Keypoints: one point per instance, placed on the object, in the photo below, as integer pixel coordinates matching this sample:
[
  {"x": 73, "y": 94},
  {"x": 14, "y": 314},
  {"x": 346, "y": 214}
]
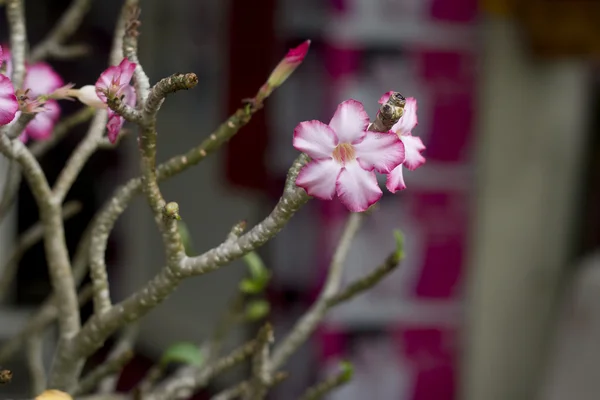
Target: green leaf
[
  {"x": 249, "y": 286},
  {"x": 184, "y": 353},
  {"x": 257, "y": 309},
  {"x": 260, "y": 275},
  {"x": 399, "y": 244},
  {"x": 255, "y": 265},
  {"x": 186, "y": 238},
  {"x": 346, "y": 370}
]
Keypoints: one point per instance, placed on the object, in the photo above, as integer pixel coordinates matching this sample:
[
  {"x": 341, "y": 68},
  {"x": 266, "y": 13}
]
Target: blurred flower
[
  {"x": 40, "y": 80},
  {"x": 412, "y": 145},
  {"x": 345, "y": 157},
  {"x": 42, "y": 125},
  {"x": 8, "y": 101}
]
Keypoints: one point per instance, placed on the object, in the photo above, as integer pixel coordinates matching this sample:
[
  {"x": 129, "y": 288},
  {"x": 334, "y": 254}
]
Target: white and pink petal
[
  {"x": 41, "y": 79},
  {"x": 127, "y": 68},
  {"x": 319, "y": 178},
  {"x": 8, "y": 100},
  {"x": 414, "y": 146},
  {"x": 357, "y": 188},
  {"x": 88, "y": 96},
  {"x": 315, "y": 139},
  {"x": 350, "y": 121},
  {"x": 385, "y": 97},
  {"x": 380, "y": 151},
  {"x": 395, "y": 180},
  {"x": 42, "y": 125},
  {"x": 409, "y": 120},
  {"x": 114, "y": 125}
]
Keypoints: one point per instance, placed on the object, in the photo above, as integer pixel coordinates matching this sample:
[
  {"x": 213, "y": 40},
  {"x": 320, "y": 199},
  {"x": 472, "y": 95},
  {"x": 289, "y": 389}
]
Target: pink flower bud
[
  {"x": 290, "y": 62},
  {"x": 88, "y": 96}
]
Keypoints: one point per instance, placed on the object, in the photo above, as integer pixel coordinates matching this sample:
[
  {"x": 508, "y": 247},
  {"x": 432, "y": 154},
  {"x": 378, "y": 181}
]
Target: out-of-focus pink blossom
[
  {"x": 40, "y": 80},
  {"x": 345, "y": 157},
  {"x": 42, "y": 125},
  {"x": 8, "y": 100}
]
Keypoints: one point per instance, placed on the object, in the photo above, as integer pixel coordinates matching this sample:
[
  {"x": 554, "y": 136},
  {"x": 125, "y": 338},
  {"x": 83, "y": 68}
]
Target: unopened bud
[
  {"x": 285, "y": 68},
  {"x": 172, "y": 211}
]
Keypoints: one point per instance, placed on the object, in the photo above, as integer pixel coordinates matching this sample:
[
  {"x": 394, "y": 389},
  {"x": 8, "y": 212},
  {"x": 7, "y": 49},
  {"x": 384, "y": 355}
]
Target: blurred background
[{"x": 499, "y": 296}]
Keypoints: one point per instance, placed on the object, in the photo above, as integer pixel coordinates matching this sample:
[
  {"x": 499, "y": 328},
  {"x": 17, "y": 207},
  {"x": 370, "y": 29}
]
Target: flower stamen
[{"x": 343, "y": 153}]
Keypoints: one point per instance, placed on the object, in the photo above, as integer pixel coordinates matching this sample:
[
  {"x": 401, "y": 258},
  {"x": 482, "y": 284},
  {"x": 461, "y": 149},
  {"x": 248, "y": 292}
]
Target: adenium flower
[
  {"x": 40, "y": 79},
  {"x": 8, "y": 100},
  {"x": 345, "y": 157},
  {"x": 42, "y": 125},
  {"x": 412, "y": 144},
  {"x": 113, "y": 82}
]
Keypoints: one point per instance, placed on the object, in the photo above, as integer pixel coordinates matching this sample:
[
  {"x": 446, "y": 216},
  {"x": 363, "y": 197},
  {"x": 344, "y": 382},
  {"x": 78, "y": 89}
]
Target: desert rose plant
[{"x": 338, "y": 159}]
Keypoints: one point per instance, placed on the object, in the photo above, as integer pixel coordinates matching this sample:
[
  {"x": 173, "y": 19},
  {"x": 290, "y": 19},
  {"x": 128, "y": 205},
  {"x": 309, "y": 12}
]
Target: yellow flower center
[{"x": 343, "y": 153}]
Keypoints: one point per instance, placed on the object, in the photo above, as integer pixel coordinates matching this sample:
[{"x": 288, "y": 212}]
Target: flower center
[{"x": 343, "y": 153}]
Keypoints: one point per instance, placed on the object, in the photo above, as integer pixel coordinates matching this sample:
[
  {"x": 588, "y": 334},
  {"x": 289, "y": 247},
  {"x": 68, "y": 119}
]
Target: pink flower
[
  {"x": 115, "y": 121},
  {"x": 114, "y": 81},
  {"x": 286, "y": 67},
  {"x": 412, "y": 144},
  {"x": 42, "y": 125},
  {"x": 40, "y": 79},
  {"x": 345, "y": 157},
  {"x": 8, "y": 101}
]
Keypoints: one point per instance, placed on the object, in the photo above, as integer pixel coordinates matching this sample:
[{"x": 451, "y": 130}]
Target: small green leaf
[
  {"x": 346, "y": 370},
  {"x": 186, "y": 238},
  {"x": 399, "y": 244},
  {"x": 257, "y": 309},
  {"x": 255, "y": 265},
  {"x": 249, "y": 286},
  {"x": 184, "y": 353}
]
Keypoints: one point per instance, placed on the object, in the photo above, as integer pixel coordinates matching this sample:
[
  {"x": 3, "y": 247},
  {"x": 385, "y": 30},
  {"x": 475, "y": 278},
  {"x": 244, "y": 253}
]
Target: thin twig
[
  {"x": 130, "y": 50},
  {"x": 44, "y": 316},
  {"x": 15, "y": 14},
  {"x": 35, "y": 362},
  {"x": 242, "y": 387},
  {"x": 368, "y": 281},
  {"x": 11, "y": 188},
  {"x": 69, "y": 52},
  {"x": 38, "y": 149},
  {"x": 166, "y": 224},
  {"x": 109, "y": 368},
  {"x": 30, "y": 237},
  {"x": 15, "y": 130},
  {"x": 306, "y": 325},
  {"x": 183, "y": 385},
  {"x": 80, "y": 156},
  {"x": 322, "y": 389},
  {"x": 66, "y": 26},
  {"x": 262, "y": 373},
  {"x": 125, "y": 344}
]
